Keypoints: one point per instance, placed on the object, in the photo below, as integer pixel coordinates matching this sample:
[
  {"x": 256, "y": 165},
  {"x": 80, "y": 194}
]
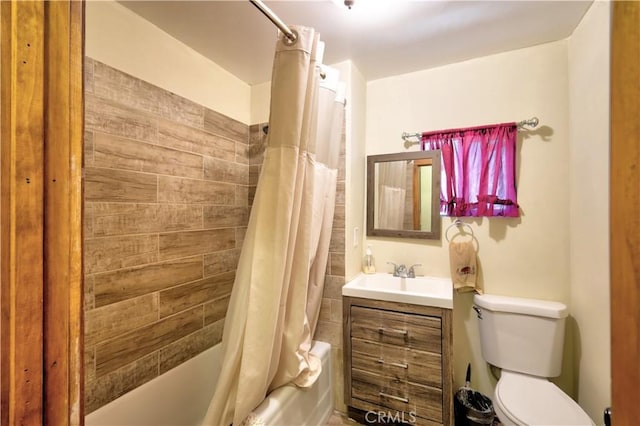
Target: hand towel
[{"x": 462, "y": 259}]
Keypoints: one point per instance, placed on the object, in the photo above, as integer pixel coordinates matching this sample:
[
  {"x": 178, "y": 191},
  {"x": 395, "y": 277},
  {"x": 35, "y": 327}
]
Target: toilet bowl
[
  {"x": 525, "y": 338},
  {"x": 520, "y": 399}
]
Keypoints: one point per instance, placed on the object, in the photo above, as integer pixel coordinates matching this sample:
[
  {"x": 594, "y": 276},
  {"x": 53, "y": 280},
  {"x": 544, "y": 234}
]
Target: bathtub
[{"x": 181, "y": 396}]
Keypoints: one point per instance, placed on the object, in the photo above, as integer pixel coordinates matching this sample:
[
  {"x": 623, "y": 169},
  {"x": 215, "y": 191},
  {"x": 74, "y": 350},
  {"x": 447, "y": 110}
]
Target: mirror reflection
[{"x": 403, "y": 194}]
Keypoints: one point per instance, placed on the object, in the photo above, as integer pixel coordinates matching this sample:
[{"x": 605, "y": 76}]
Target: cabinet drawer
[
  {"x": 397, "y": 362},
  {"x": 413, "y": 331},
  {"x": 423, "y": 401}
]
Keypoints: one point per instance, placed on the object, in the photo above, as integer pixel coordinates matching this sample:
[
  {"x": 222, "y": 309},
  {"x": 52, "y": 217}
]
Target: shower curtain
[
  {"x": 275, "y": 302},
  {"x": 392, "y": 190}
]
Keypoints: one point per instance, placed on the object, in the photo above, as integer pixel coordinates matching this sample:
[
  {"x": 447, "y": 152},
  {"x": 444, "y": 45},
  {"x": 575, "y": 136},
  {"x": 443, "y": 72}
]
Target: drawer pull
[
  {"x": 383, "y": 330},
  {"x": 397, "y": 398},
  {"x": 394, "y": 364}
]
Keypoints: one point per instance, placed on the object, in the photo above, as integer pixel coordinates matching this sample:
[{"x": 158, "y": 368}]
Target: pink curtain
[{"x": 478, "y": 170}]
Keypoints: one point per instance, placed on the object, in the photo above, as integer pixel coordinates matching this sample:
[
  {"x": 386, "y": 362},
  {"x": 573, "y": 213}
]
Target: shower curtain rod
[
  {"x": 274, "y": 18},
  {"x": 532, "y": 122}
]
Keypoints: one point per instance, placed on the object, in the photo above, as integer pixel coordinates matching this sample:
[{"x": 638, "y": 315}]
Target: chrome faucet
[
  {"x": 402, "y": 271},
  {"x": 412, "y": 271}
]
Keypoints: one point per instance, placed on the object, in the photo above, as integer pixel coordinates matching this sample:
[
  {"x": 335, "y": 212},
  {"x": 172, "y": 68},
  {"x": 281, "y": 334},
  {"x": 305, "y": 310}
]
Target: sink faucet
[
  {"x": 412, "y": 272},
  {"x": 399, "y": 270},
  {"x": 402, "y": 271}
]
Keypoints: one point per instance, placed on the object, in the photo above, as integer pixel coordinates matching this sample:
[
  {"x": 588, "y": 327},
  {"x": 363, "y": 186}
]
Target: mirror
[{"x": 403, "y": 195}]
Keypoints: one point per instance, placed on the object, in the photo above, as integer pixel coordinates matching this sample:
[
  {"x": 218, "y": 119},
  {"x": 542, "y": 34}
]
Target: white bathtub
[{"x": 181, "y": 396}]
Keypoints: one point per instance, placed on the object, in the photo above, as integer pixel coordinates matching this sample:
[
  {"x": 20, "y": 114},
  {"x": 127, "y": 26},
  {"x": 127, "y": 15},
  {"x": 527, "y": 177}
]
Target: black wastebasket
[{"x": 471, "y": 408}]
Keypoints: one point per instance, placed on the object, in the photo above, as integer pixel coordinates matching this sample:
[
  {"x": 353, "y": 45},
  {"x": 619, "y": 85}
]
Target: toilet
[{"x": 525, "y": 337}]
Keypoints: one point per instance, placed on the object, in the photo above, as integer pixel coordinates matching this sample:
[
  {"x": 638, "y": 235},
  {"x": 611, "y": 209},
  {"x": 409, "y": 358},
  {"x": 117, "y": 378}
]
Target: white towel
[{"x": 464, "y": 269}]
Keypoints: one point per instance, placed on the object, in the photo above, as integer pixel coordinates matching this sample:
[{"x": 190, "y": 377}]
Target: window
[{"x": 478, "y": 170}]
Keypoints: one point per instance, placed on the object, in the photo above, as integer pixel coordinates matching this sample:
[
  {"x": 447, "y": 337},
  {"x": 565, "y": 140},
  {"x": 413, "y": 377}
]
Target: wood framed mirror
[{"x": 403, "y": 195}]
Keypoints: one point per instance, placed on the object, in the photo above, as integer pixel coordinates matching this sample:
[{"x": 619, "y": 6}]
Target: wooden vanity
[{"x": 397, "y": 360}]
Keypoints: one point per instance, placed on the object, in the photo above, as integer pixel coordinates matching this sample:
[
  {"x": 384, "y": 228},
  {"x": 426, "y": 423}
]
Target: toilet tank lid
[{"x": 518, "y": 305}]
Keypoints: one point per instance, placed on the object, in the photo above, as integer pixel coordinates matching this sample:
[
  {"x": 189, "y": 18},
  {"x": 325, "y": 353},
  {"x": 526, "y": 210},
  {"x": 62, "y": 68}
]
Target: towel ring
[{"x": 458, "y": 223}]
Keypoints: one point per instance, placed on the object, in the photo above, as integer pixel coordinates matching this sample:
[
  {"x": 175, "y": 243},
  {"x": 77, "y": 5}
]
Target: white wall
[
  {"x": 355, "y": 122},
  {"x": 589, "y": 207},
  {"x": 260, "y": 99},
  {"x": 118, "y": 37},
  {"x": 526, "y": 256}
]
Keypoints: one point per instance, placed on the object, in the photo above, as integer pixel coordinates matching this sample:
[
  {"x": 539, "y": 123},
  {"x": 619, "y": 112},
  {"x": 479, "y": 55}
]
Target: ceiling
[{"x": 381, "y": 37}]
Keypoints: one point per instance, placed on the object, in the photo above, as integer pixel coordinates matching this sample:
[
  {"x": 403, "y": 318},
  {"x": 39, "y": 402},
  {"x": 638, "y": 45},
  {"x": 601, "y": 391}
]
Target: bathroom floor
[{"x": 339, "y": 419}]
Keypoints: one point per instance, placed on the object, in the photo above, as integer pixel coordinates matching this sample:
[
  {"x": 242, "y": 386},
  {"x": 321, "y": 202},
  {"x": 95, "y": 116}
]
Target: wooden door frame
[
  {"x": 417, "y": 192},
  {"x": 41, "y": 349},
  {"x": 625, "y": 211}
]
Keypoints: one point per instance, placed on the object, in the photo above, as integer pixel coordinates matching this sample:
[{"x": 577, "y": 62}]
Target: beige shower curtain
[
  {"x": 392, "y": 190},
  {"x": 276, "y": 296}
]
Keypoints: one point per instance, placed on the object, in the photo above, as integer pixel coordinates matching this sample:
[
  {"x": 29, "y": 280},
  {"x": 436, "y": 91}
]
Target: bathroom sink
[{"x": 425, "y": 291}]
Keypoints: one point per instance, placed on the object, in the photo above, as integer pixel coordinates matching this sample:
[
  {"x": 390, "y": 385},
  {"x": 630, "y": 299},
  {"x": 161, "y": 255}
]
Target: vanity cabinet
[{"x": 397, "y": 359}]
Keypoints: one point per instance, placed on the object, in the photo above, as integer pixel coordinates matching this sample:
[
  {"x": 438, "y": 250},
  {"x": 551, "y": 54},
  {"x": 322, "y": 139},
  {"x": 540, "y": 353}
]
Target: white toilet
[{"x": 524, "y": 337}]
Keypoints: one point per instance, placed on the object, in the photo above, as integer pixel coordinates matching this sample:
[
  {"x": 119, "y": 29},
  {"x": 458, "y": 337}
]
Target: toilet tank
[{"x": 522, "y": 335}]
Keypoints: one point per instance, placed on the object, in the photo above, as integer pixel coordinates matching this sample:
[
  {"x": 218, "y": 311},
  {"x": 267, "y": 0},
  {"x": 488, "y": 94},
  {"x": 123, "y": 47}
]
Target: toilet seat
[{"x": 529, "y": 400}]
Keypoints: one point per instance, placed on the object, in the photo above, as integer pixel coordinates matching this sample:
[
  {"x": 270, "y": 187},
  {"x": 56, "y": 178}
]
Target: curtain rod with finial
[
  {"x": 274, "y": 18},
  {"x": 532, "y": 122}
]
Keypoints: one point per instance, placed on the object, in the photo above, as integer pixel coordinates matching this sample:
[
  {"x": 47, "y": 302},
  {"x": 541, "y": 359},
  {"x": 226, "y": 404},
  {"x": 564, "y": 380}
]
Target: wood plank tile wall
[
  {"x": 330, "y": 323},
  {"x": 166, "y": 208}
]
